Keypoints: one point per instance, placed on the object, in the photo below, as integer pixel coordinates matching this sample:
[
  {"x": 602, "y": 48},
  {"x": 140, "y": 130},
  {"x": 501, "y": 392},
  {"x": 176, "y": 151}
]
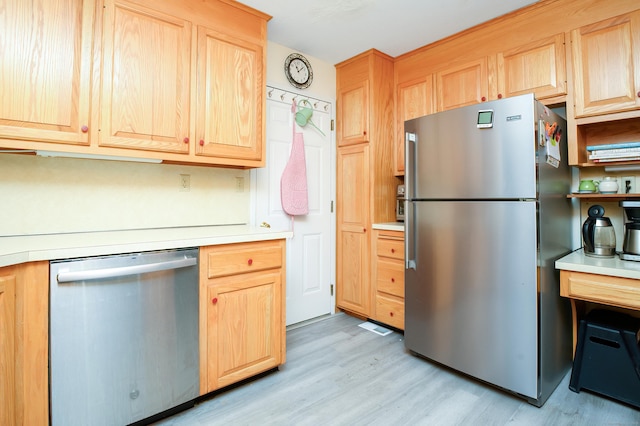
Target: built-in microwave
[{"x": 400, "y": 203}]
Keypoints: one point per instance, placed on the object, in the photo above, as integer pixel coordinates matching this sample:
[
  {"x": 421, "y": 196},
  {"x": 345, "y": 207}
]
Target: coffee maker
[
  {"x": 631, "y": 243},
  {"x": 598, "y": 235}
]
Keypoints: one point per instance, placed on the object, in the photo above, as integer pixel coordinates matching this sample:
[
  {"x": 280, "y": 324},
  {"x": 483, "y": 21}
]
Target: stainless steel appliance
[
  {"x": 400, "y": 194},
  {"x": 631, "y": 242},
  {"x": 124, "y": 336},
  {"x": 486, "y": 218},
  {"x": 597, "y": 234}
]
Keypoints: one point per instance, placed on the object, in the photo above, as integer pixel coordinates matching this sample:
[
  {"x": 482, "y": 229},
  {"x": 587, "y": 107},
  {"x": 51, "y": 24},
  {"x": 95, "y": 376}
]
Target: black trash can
[{"x": 607, "y": 359}]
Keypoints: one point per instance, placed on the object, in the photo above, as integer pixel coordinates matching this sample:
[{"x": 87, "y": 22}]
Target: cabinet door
[
  {"x": 353, "y": 246},
  {"x": 244, "y": 320},
  {"x": 7, "y": 348},
  {"x": 146, "y": 85},
  {"x": 415, "y": 99},
  {"x": 46, "y": 70},
  {"x": 353, "y": 109},
  {"x": 462, "y": 85},
  {"x": 229, "y": 97},
  {"x": 537, "y": 68},
  {"x": 24, "y": 355},
  {"x": 606, "y": 57}
]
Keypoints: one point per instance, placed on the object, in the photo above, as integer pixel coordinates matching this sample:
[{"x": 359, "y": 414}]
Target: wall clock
[{"x": 298, "y": 71}]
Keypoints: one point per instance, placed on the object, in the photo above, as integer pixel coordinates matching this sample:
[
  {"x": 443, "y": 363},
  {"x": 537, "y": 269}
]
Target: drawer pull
[
  {"x": 214, "y": 300},
  {"x": 250, "y": 262},
  {"x": 393, "y": 250}
]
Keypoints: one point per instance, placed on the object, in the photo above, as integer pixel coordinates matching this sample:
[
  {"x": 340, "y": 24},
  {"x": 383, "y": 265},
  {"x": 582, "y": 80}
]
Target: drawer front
[
  {"x": 390, "y": 311},
  {"x": 390, "y": 276},
  {"x": 390, "y": 248},
  {"x": 615, "y": 291},
  {"x": 241, "y": 258}
]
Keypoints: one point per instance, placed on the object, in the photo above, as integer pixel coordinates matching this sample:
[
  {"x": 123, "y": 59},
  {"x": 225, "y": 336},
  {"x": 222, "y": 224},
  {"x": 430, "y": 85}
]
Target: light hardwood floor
[{"x": 340, "y": 374}]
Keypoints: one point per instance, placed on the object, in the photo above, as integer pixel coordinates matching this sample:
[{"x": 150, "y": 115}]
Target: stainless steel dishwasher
[{"x": 123, "y": 336}]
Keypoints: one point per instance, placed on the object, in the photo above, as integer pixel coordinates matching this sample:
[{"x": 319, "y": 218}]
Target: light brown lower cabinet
[
  {"x": 24, "y": 355},
  {"x": 242, "y": 311},
  {"x": 388, "y": 278}
]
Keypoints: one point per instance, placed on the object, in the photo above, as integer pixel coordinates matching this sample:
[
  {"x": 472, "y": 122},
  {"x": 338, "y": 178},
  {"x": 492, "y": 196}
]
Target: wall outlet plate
[{"x": 628, "y": 185}]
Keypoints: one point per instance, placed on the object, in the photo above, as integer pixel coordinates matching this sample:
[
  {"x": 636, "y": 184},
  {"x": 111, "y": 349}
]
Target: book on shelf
[
  {"x": 613, "y": 146},
  {"x": 616, "y": 151},
  {"x": 611, "y": 159}
]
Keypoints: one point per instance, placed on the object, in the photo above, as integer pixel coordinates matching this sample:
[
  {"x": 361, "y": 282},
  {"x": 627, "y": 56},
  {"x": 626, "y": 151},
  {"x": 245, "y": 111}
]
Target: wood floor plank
[{"x": 340, "y": 374}]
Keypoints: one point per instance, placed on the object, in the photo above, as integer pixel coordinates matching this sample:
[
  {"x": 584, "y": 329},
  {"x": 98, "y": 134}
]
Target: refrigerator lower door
[{"x": 471, "y": 289}]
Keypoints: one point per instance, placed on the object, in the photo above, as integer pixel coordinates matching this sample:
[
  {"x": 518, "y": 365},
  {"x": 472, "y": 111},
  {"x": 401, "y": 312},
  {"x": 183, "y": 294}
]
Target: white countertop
[
  {"x": 29, "y": 248},
  {"x": 614, "y": 266},
  {"x": 389, "y": 226}
]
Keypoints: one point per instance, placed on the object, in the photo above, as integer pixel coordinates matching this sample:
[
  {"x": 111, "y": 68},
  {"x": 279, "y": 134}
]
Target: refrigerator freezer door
[
  {"x": 452, "y": 158},
  {"x": 471, "y": 300}
]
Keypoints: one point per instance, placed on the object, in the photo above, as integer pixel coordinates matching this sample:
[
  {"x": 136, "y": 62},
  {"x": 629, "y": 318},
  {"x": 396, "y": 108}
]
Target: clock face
[{"x": 298, "y": 71}]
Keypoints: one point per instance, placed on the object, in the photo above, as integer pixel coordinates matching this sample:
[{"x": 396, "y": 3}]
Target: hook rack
[{"x": 288, "y": 97}]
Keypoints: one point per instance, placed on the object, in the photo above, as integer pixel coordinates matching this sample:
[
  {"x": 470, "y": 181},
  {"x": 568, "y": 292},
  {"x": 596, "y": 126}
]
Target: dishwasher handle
[{"x": 96, "y": 274}]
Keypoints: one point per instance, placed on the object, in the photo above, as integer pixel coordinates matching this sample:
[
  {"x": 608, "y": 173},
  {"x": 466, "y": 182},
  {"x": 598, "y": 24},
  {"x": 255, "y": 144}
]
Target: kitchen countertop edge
[
  {"x": 577, "y": 261},
  {"x": 31, "y": 248},
  {"x": 389, "y": 226}
]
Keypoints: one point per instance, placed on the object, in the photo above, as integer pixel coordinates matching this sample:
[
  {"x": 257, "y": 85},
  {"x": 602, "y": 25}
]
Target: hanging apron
[{"x": 293, "y": 184}]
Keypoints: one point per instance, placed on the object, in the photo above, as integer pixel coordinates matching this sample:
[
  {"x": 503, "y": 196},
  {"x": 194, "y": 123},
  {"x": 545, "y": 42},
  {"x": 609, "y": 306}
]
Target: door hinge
[
  {"x": 332, "y": 124},
  {"x": 332, "y": 289},
  {"x": 331, "y": 206}
]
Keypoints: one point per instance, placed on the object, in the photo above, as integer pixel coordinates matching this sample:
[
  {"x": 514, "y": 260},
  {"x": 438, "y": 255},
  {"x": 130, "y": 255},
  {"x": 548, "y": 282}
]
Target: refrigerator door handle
[
  {"x": 410, "y": 236},
  {"x": 409, "y": 221},
  {"x": 409, "y": 163}
]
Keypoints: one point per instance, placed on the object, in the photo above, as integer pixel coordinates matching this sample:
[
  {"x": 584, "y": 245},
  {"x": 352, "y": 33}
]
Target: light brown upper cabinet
[
  {"x": 462, "y": 85},
  {"x": 176, "y": 81},
  {"x": 606, "y": 65},
  {"x": 538, "y": 68},
  {"x": 414, "y": 99},
  {"x": 146, "y": 87},
  {"x": 229, "y": 97},
  {"x": 353, "y": 123},
  {"x": 46, "y": 70}
]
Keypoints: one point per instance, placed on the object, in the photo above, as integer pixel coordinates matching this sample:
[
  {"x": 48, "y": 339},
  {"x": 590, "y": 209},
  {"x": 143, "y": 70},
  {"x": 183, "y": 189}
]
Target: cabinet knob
[
  {"x": 186, "y": 140},
  {"x": 483, "y": 99},
  {"x": 85, "y": 128},
  {"x": 499, "y": 95},
  {"x": 214, "y": 300},
  {"x": 364, "y": 229},
  {"x": 393, "y": 250},
  {"x": 638, "y": 94},
  {"x": 364, "y": 133},
  {"x": 250, "y": 262},
  {"x": 393, "y": 280},
  {"x": 390, "y": 314},
  {"x": 201, "y": 142}
]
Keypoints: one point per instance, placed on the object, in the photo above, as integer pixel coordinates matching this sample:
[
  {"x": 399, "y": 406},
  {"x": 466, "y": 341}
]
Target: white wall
[
  {"x": 59, "y": 195},
  {"x": 323, "y": 86}
]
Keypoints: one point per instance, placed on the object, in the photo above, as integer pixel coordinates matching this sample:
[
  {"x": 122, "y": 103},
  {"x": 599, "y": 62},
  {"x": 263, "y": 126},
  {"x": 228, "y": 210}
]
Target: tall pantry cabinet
[{"x": 365, "y": 171}]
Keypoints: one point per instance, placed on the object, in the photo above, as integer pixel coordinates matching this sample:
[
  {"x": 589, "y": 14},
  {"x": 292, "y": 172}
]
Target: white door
[{"x": 310, "y": 254}]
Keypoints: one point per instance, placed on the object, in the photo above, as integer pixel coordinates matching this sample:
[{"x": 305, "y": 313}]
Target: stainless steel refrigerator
[{"x": 487, "y": 215}]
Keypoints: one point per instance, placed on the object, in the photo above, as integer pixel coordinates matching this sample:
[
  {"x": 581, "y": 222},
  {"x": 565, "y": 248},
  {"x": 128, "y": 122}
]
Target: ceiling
[{"x": 335, "y": 30}]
